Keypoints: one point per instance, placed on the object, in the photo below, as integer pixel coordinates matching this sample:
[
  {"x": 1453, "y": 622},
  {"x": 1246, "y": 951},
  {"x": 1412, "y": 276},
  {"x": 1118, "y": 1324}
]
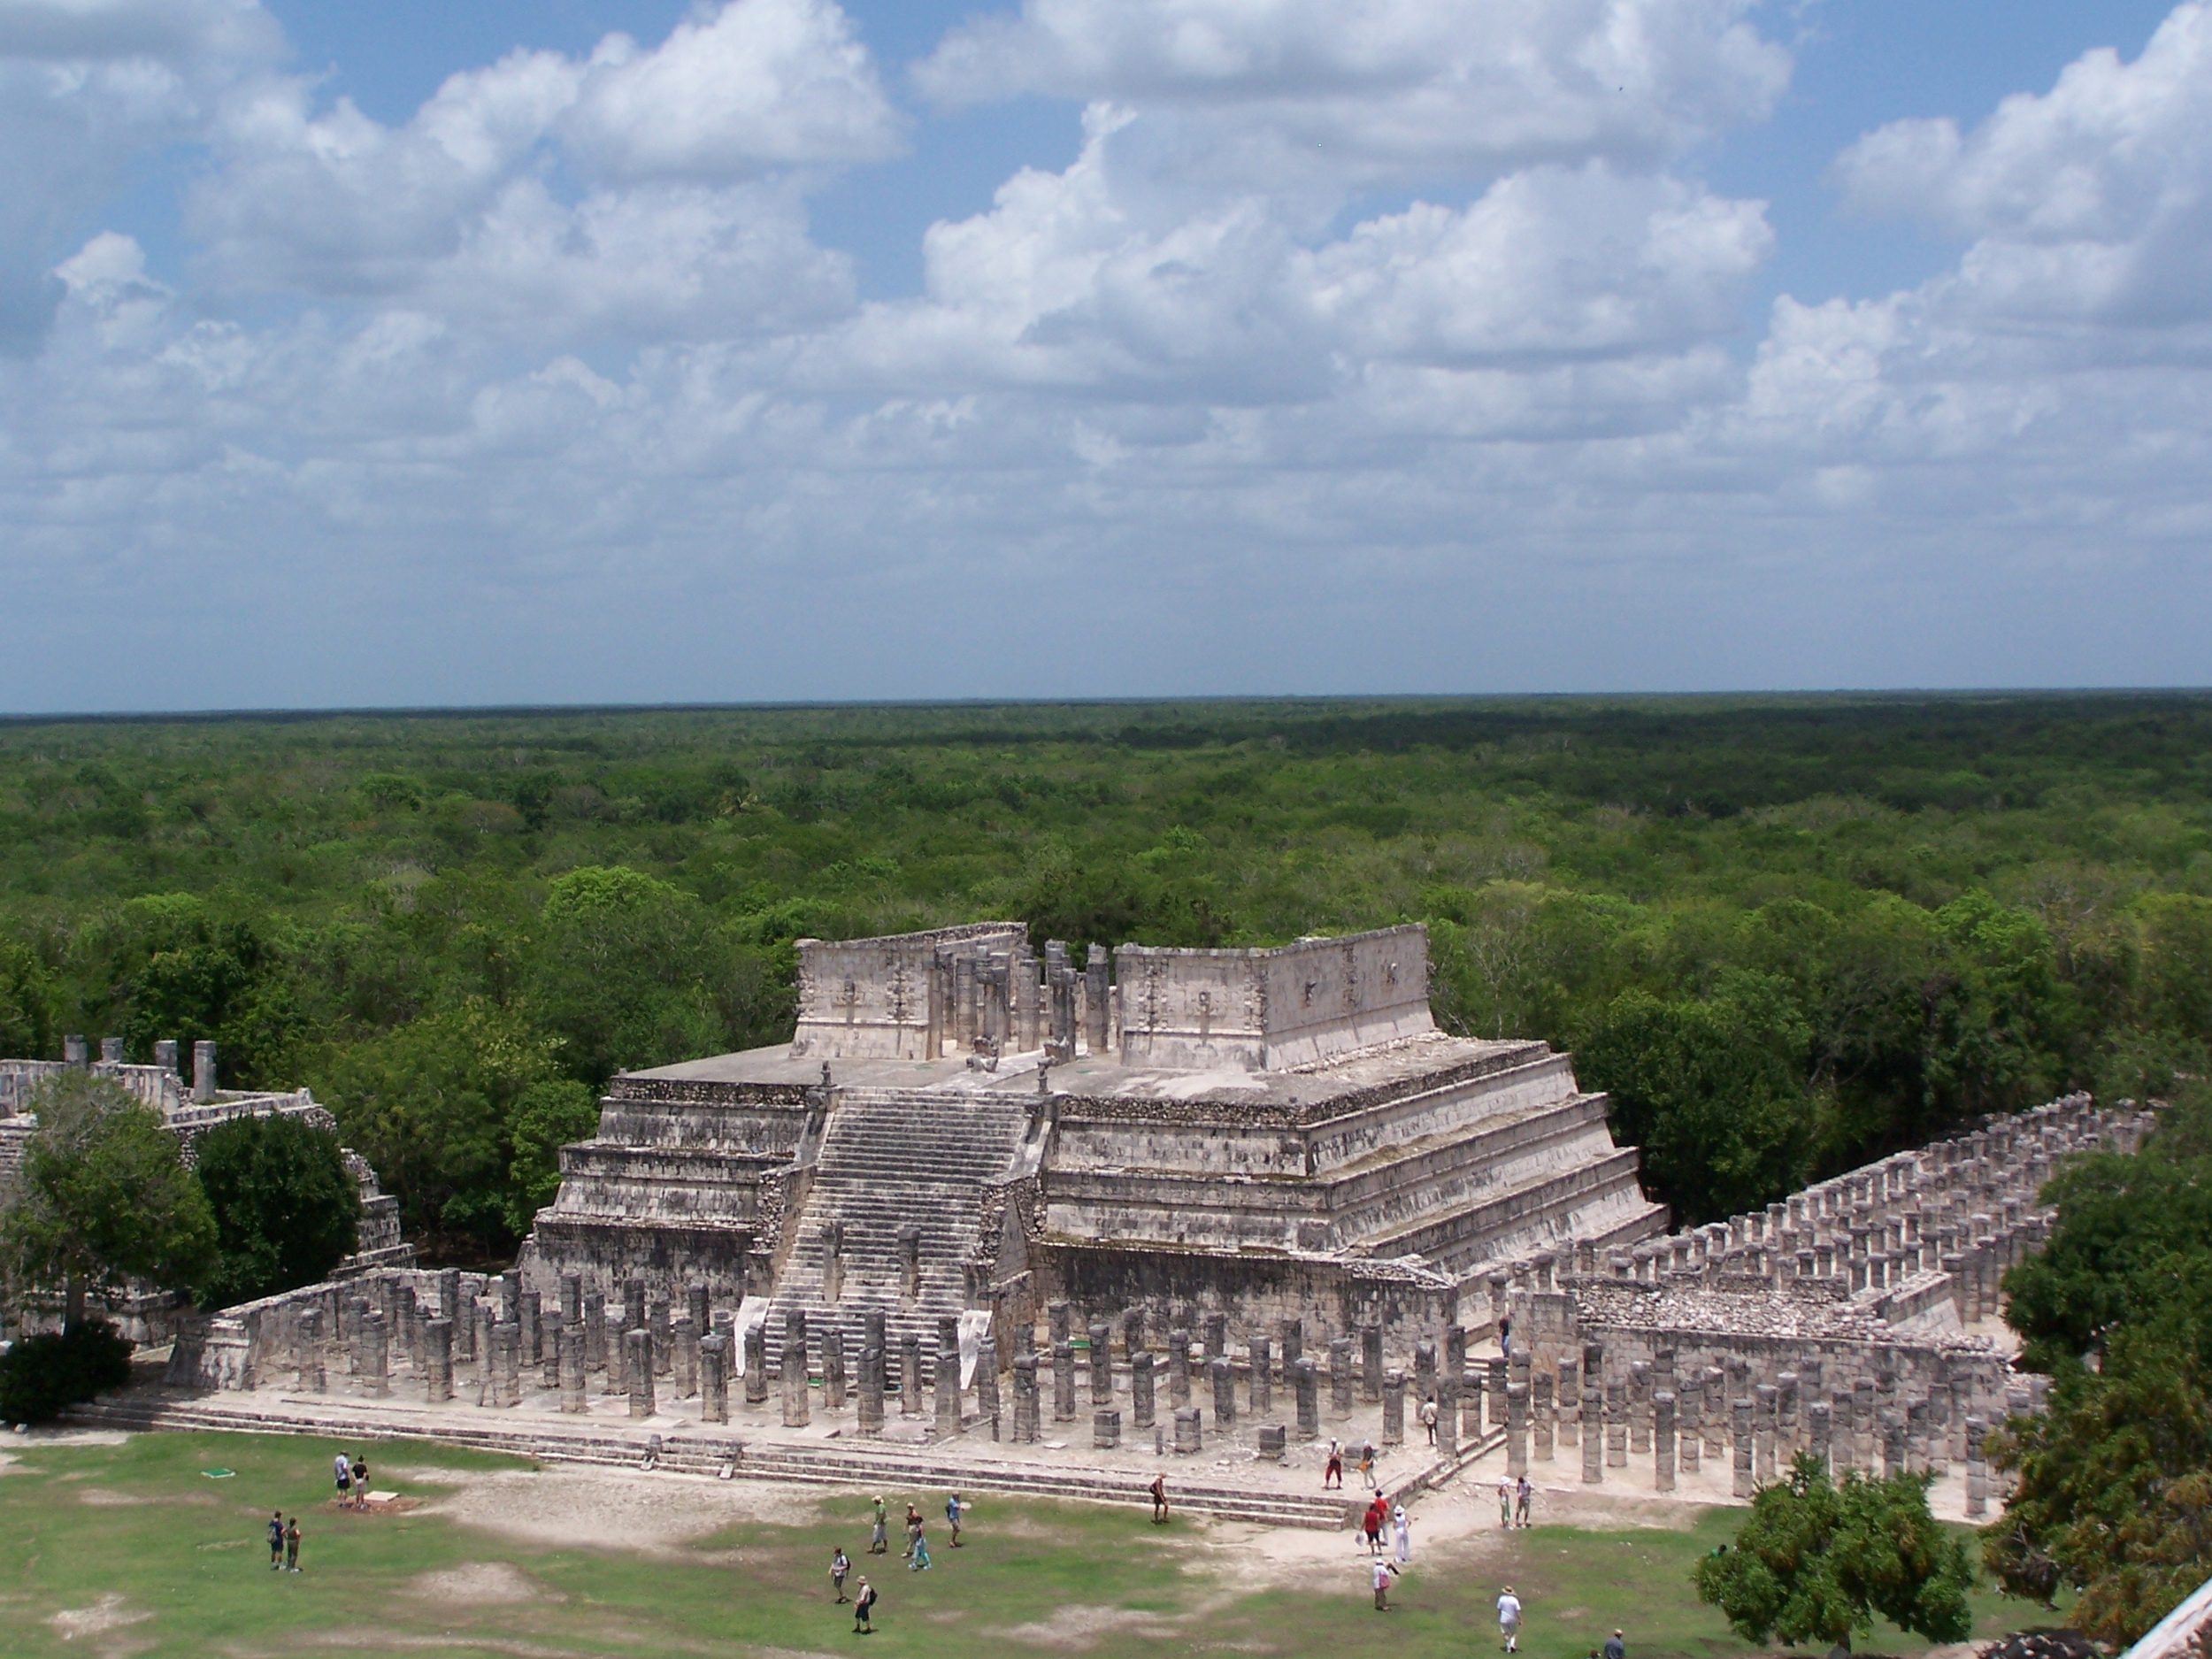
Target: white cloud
[
  {"x": 1265, "y": 91},
  {"x": 2090, "y": 203}
]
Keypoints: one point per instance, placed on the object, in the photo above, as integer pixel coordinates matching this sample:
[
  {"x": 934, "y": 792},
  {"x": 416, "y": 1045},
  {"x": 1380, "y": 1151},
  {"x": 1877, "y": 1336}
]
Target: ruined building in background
[
  {"x": 187, "y": 1108},
  {"x": 959, "y": 1125}
]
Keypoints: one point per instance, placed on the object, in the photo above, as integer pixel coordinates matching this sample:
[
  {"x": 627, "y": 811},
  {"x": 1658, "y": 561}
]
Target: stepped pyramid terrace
[
  {"x": 995, "y": 1220},
  {"x": 960, "y": 1126}
]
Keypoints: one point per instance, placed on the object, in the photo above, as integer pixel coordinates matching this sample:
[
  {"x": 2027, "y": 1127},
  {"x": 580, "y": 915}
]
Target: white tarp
[
  {"x": 975, "y": 1330},
  {"x": 750, "y": 1312}
]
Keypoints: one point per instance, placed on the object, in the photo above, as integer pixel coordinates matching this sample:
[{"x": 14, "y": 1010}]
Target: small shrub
[{"x": 41, "y": 1375}]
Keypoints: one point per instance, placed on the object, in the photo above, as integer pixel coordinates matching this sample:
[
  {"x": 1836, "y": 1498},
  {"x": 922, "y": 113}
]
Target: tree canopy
[
  {"x": 286, "y": 1210},
  {"x": 1817, "y": 1561},
  {"x": 103, "y": 1197},
  {"x": 2114, "y": 1496}
]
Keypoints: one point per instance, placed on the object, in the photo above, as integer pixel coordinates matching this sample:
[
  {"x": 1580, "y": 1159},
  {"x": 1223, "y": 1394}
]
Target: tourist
[
  {"x": 913, "y": 1530},
  {"x": 879, "y": 1534},
  {"x": 839, "y": 1568},
  {"x": 917, "y": 1557},
  {"x": 1617, "y": 1648},
  {"x": 1505, "y": 1334},
  {"x": 1384, "y": 1571},
  {"x": 1509, "y": 1619},
  {"x": 1505, "y": 1500},
  {"x": 1371, "y": 1523},
  {"x": 360, "y": 1481},
  {"x": 1367, "y": 1467},
  {"x": 1333, "y": 1472},
  {"x": 1428, "y": 1417},
  {"x": 1401, "y": 1537},
  {"x": 276, "y": 1541},
  {"x": 342, "y": 1466},
  {"x": 864, "y": 1608},
  {"x": 1159, "y": 1500},
  {"x": 292, "y": 1544},
  {"x": 952, "y": 1518},
  {"x": 1522, "y": 1496}
]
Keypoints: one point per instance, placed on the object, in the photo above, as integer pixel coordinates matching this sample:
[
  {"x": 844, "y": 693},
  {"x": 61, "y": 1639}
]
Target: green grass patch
[{"x": 153, "y": 1557}]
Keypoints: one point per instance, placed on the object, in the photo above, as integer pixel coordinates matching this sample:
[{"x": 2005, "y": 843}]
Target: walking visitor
[
  {"x": 1159, "y": 1500},
  {"x": 863, "y": 1608},
  {"x": 879, "y": 1536},
  {"x": 1333, "y": 1472},
  {"x": 952, "y": 1519},
  {"x": 1523, "y": 1495},
  {"x": 1509, "y": 1619},
  {"x": 292, "y": 1544},
  {"x": 839, "y": 1568},
  {"x": 342, "y": 1466},
  {"x": 1617, "y": 1648},
  {"x": 1505, "y": 1500},
  {"x": 276, "y": 1541},
  {"x": 1401, "y": 1537},
  {"x": 1383, "y": 1573},
  {"x": 917, "y": 1557}
]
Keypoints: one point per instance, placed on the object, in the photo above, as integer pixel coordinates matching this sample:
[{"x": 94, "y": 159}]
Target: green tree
[
  {"x": 623, "y": 971},
  {"x": 102, "y": 1198},
  {"x": 27, "y": 1004},
  {"x": 545, "y": 1117},
  {"x": 1712, "y": 1091},
  {"x": 1817, "y": 1561},
  {"x": 287, "y": 1209}
]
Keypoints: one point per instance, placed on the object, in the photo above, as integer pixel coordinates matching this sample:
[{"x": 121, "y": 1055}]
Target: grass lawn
[{"x": 143, "y": 1554}]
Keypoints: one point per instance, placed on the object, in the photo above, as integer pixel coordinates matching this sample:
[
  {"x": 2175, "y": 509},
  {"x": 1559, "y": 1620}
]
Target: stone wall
[{"x": 893, "y": 998}]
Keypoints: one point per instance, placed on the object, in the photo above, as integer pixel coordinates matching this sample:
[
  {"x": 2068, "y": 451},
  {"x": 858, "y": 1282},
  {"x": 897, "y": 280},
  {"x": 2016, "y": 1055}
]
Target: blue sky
[{"x": 1112, "y": 347}]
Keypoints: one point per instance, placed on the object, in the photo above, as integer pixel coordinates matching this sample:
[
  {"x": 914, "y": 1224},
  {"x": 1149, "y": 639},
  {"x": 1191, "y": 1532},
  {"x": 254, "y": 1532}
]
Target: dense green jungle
[{"x": 1787, "y": 933}]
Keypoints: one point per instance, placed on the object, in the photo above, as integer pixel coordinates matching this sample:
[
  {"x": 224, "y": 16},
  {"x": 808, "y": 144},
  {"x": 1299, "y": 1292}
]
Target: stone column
[
  {"x": 507, "y": 1345},
  {"x": 1819, "y": 1427},
  {"x": 1063, "y": 1382},
  {"x": 1786, "y": 1439},
  {"x": 657, "y": 1320},
  {"x": 699, "y": 1303},
  {"x": 437, "y": 1361},
  {"x": 910, "y": 1376},
  {"x": 376, "y": 1346},
  {"x": 945, "y": 1375},
  {"x": 833, "y": 1342},
  {"x": 1593, "y": 1431},
  {"x": 1371, "y": 1364},
  {"x": 714, "y": 1378},
  {"x": 1101, "y": 1364},
  {"x": 1516, "y": 1429},
  {"x": 1393, "y": 1405},
  {"x": 1025, "y": 1411},
  {"x": 1862, "y": 1426},
  {"x": 1425, "y": 1369},
  {"x": 571, "y": 1287},
  {"x": 1217, "y": 1336},
  {"x": 1568, "y": 1401},
  {"x": 1140, "y": 1390},
  {"x": 1105, "y": 1430},
  {"x": 307, "y": 1350},
  {"x": 1747, "y": 1480},
  {"x": 1501, "y": 1379},
  {"x": 1262, "y": 1361},
  {"x": 1306, "y": 1384},
  {"x": 595, "y": 1340},
  {"x": 569, "y": 1349},
  {"x": 1638, "y": 1406},
  {"x": 1188, "y": 1440},
  {"x": 1225, "y": 1389},
  {"x": 1938, "y": 1429},
  {"x": 1977, "y": 1470},
  {"x": 449, "y": 1286},
  {"x": 1290, "y": 1337},
  {"x": 1340, "y": 1376},
  {"x": 868, "y": 1414},
  {"x": 633, "y": 1316},
  {"x": 685, "y": 1335},
  {"x": 1689, "y": 1409},
  {"x": 1616, "y": 1422},
  {"x": 1662, "y": 1441},
  {"x": 509, "y": 1285},
  {"x": 1916, "y": 1459},
  {"x": 1892, "y": 1445},
  {"x": 1763, "y": 1398},
  {"x": 1714, "y": 1414},
  {"x": 404, "y": 1328},
  {"x": 526, "y": 1303},
  {"x": 551, "y": 1328},
  {"x": 1177, "y": 1368},
  {"x": 795, "y": 1415},
  {"x": 756, "y": 1365},
  {"x": 637, "y": 1351},
  {"x": 486, "y": 1361},
  {"x": 1540, "y": 1417},
  {"x": 1839, "y": 1431}
]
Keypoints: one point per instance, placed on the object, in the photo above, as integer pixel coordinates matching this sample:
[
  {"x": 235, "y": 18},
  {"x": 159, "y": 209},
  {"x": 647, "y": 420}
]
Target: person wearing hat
[
  {"x": 878, "y": 1540},
  {"x": 1509, "y": 1619},
  {"x": 1617, "y": 1648},
  {"x": 864, "y": 1608},
  {"x": 1401, "y": 1537},
  {"x": 1384, "y": 1571}
]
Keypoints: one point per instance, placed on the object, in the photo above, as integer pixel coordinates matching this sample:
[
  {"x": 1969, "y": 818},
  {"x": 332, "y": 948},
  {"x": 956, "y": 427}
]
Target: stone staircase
[
  {"x": 892, "y": 1159},
  {"x": 688, "y": 1448}
]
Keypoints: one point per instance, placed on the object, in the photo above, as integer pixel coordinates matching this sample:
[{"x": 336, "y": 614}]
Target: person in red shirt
[{"x": 1370, "y": 1523}]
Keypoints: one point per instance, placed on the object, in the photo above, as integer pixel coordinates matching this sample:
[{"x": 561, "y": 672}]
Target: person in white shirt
[
  {"x": 1383, "y": 1571},
  {"x": 1509, "y": 1619},
  {"x": 341, "y": 1467},
  {"x": 1401, "y": 1537}
]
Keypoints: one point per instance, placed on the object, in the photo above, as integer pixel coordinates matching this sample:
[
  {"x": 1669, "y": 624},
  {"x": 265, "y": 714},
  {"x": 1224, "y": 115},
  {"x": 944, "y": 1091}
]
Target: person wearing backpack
[{"x": 864, "y": 1608}]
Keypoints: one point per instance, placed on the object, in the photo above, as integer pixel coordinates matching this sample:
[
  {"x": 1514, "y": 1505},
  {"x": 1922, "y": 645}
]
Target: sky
[{"x": 634, "y": 350}]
